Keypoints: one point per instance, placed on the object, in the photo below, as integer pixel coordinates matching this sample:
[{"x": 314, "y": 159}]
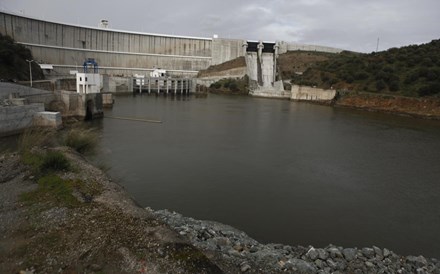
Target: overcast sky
[{"x": 348, "y": 24}]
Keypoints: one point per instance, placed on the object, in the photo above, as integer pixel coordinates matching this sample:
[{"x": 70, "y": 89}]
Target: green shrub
[
  {"x": 216, "y": 85},
  {"x": 54, "y": 161},
  {"x": 380, "y": 85},
  {"x": 82, "y": 140},
  {"x": 430, "y": 89}
]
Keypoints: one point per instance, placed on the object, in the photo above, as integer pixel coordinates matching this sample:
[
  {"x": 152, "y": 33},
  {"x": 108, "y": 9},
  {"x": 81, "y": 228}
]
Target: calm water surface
[{"x": 285, "y": 172}]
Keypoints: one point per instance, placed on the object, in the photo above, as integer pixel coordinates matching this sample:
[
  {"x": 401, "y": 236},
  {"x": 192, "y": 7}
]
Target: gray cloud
[{"x": 348, "y": 24}]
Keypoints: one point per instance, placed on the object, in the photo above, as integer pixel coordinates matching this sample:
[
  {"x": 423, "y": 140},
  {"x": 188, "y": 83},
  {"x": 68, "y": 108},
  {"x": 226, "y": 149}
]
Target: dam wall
[
  {"x": 117, "y": 52},
  {"x": 285, "y": 47},
  {"x": 226, "y": 49},
  {"x": 123, "y": 53}
]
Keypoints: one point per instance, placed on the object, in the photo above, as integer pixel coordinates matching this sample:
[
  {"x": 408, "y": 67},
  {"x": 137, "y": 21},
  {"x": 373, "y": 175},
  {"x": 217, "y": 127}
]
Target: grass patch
[
  {"x": 83, "y": 141},
  {"x": 53, "y": 191},
  {"x": 54, "y": 161},
  {"x": 45, "y": 162}
]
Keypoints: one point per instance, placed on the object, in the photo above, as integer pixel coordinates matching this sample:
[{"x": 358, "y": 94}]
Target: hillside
[
  {"x": 216, "y": 70},
  {"x": 409, "y": 71},
  {"x": 13, "y": 65}
]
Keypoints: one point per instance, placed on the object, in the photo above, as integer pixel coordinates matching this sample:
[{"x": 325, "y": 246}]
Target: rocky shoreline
[{"x": 229, "y": 246}]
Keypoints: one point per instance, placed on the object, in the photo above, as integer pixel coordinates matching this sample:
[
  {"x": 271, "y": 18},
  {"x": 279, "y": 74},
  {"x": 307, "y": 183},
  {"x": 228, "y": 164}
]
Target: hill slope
[{"x": 410, "y": 71}]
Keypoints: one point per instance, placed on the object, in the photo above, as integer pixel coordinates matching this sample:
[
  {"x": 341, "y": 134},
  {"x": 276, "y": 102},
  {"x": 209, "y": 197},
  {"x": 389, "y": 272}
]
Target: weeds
[
  {"x": 84, "y": 141},
  {"x": 35, "y": 137},
  {"x": 54, "y": 161}
]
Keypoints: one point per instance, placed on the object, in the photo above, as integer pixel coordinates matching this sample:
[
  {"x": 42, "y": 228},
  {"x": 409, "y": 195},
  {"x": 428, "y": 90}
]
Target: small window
[
  {"x": 86, "y": 79},
  {"x": 80, "y": 78}
]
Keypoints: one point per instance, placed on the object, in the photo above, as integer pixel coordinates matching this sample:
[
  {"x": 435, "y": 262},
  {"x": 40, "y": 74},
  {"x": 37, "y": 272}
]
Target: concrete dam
[{"x": 63, "y": 47}]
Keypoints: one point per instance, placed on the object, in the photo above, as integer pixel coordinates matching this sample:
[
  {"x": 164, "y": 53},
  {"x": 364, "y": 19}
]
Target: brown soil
[
  {"x": 105, "y": 233},
  {"x": 299, "y": 61},
  {"x": 417, "y": 107},
  {"x": 214, "y": 70}
]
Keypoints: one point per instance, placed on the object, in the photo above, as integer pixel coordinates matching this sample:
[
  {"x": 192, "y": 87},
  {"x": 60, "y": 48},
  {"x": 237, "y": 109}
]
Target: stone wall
[{"x": 303, "y": 93}]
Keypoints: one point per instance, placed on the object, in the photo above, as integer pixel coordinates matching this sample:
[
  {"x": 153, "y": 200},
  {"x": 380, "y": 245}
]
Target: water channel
[{"x": 284, "y": 172}]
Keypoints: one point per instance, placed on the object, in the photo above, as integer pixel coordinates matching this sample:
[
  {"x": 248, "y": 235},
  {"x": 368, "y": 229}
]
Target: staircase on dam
[{"x": 261, "y": 62}]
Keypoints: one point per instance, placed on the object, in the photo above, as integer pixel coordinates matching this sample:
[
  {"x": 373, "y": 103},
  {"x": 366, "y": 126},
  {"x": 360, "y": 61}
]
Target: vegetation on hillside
[
  {"x": 411, "y": 71},
  {"x": 13, "y": 64},
  {"x": 231, "y": 86}
]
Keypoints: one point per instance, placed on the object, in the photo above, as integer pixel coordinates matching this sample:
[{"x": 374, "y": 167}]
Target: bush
[
  {"x": 394, "y": 85},
  {"x": 380, "y": 85},
  {"x": 216, "y": 85},
  {"x": 54, "y": 161},
  {"x": 83, "y": 141},
  {"x": 430, "y": 89}
]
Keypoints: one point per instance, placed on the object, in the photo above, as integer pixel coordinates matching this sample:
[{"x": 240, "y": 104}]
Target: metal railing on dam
[{"x": 164, "y": 85}]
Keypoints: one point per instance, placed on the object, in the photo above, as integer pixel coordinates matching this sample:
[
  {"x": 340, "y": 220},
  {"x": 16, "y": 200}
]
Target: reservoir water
[{"x": 283, "y": 172}]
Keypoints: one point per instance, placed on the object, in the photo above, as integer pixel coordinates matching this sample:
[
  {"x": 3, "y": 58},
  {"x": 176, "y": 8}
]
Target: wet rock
[
  {"x": 312, "y": 254},
  {"x": 322, "y": 254},
  {"x": 245, "y": 267},
  {"x": 369, "y": 264},
  {"x": 320, "y": 264},
  {"x": 349, "y": 253},
  {"x": 335, "y": 252},
  {"x": 222, "y": 241},
  {"x": 302, "y": 266},
  {"x": 386, "y": 252},
  {"x": 331, "y": 264},
  {"x": 419, "y": 261},
  {"x": 378, "y": 251},
  {"x": 368, "y": 252}
]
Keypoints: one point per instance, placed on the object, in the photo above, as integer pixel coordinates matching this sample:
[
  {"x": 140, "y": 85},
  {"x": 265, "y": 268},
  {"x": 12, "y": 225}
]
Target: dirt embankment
[
  {"x": 416, "y": 107},
  {"x": 297, "y": 62},
  {"x": 235, "y": 66}
]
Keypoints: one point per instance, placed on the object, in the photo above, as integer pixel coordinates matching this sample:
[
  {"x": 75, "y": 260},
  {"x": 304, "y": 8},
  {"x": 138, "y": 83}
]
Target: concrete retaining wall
[
  {"x": 302, "y": 93},
  {"x": 47, "y": 119},
  {"x": 117, "y": 84},
  {"x": 14, "y": 119}
]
